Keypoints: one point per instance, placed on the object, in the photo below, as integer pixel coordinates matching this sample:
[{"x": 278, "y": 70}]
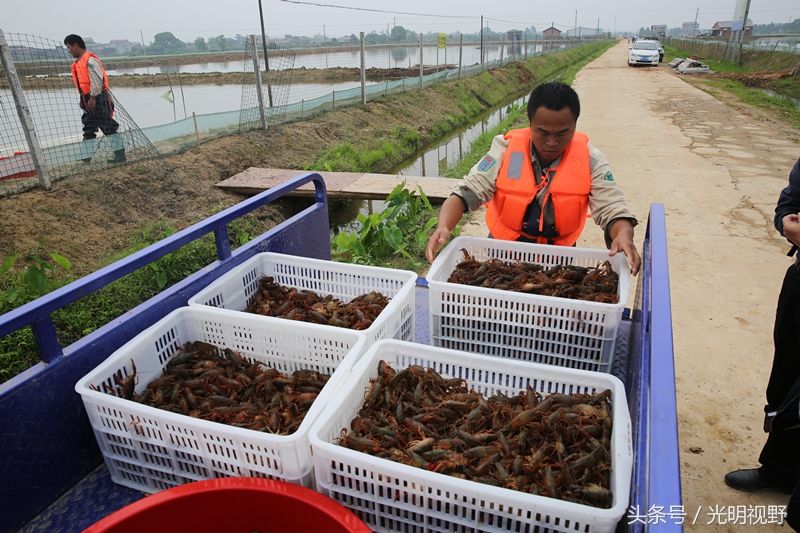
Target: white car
[{"x": 643, "y": 53}]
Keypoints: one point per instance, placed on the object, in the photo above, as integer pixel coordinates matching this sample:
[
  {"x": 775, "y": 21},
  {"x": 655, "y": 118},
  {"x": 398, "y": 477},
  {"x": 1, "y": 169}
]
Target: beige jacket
[{"x": 606, "y": 200}]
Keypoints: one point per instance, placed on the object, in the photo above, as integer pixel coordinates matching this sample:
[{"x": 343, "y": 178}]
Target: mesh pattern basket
[
  {"x": 236, "y": 289},
  {"x": 151, "y": 449},
  {"x": 390, "y": 496},
  {"x": 529, "y": 327}
]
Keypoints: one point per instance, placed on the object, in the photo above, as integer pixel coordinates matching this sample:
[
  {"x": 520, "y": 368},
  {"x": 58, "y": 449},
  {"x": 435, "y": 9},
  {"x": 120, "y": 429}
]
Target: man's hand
[
  {"x": 791, "y": 228},
  {"x": 622, "y": 235},
  {"x": 436, "y": 241},
  {"x": 90, "y": 104}
]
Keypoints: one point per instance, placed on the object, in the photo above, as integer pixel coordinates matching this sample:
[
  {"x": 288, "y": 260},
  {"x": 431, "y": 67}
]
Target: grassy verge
[
  {"x": 784, "y": 109},
  {"x": 751, "y": 90},
  {"x": 474, "y": 96}
]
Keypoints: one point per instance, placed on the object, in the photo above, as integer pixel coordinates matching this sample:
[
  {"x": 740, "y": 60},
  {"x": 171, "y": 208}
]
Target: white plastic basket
[
  {"x": 529, "y": 327},
  {"x": 391, "y": 496},
  {"x": 151, "y": 449},
  {"x": 236, "y": 289}
]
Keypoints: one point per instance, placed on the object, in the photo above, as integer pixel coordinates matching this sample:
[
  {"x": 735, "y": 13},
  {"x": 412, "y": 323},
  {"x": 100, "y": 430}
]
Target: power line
[
  {"x": 519, "y": 22},
  {"x": 379, "y": 10}
]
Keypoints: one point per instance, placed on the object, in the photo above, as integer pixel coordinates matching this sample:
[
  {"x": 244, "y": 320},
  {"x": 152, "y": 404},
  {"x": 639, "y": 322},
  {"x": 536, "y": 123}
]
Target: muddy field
[{"x": 298, "y": 75}]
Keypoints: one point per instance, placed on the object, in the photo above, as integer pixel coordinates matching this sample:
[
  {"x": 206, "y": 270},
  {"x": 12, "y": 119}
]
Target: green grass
[
  {"x": 18, "y": 350},
  {"x": 785, "y": 109}
]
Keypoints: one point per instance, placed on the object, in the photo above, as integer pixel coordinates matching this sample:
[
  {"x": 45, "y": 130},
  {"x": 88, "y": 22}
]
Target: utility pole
[
  {"x": 598, "y": 28},
  {"x": 481, "y": 40},
  {"x": 741, "y": 32},
  {"x": 576, "y": 24},
  {"x": 144, "y": 50},
  {"x": 694, "y": 28},
  {"x": 266, "y": 55}
]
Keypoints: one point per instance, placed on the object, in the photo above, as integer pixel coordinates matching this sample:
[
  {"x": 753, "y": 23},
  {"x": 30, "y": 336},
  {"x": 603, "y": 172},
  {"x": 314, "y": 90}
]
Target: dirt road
[{"x": 718, "y": 172}]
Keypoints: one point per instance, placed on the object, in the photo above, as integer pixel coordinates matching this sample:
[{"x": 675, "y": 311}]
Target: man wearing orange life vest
[
  {"x": 539, "y": 183},
  {"x": 91, "y": 80}
]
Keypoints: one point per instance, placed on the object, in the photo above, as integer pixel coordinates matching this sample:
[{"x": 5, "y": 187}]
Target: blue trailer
[{"x": 53, "y": 476}]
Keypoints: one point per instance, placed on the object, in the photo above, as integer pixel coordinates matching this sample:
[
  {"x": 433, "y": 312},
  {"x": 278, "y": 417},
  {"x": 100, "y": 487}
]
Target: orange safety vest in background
[
  {"x": 516, "y": 188},
  {"x": 80, "y": 73}
]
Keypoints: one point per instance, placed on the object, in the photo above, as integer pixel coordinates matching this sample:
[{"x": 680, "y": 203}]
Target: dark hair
[
  {"x": 555, "y": 95},
  {"x": 74, "y": 39}
]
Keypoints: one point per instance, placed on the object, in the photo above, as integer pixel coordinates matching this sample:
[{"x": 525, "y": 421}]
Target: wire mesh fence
[
  {"x": 301, "y": 82},
  {"x": 329, "y": 78},
  {"x": 264, "y": 97},
  {"x": 725, "y": 48},
  {"x": 42, "y": 129}
]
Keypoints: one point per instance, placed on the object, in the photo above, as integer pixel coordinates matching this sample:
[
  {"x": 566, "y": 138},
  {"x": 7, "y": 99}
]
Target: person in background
[
  {"x": 541, "y": 182},
  {"x": 91, "y": 80},
  {"x": 780, "y": 457}
]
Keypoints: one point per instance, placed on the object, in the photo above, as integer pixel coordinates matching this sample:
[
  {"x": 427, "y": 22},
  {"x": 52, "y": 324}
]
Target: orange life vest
[
  {"x": 570, "y": 183},
  {"x": 80, "y": 73}
]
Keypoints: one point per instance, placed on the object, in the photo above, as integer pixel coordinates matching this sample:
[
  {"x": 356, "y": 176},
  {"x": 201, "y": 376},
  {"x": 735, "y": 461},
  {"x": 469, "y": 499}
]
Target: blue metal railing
[
  {"x": 656, "y": 503},
  {"x": 48, "y": 444}
]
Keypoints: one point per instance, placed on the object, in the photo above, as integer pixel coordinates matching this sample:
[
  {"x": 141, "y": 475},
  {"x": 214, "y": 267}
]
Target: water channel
[{"x": 432, "y": 161}]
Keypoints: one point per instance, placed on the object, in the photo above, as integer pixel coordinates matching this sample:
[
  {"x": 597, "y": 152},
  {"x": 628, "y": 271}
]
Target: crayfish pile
[
  {"x": 566, "y": 281},
  {"x": 272, "y": 299},
  {"x": 556, "y": 446},
  {"x": 205, "y": 382}
]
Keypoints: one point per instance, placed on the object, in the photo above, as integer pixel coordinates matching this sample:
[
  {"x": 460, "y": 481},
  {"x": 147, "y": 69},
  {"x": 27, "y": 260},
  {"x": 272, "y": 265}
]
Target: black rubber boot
[{"x": 119, "y": 157}]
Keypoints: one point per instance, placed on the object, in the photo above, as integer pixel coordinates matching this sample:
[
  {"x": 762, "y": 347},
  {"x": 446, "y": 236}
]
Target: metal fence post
[
  {"x": 259, "y": 91},
  {"x": 502, "y": 50},
  {"x": 421, "y": 73},
  {"x": 333, "y": 99},
  {"x": 196, "y": 130},
  {"x": 363, "y": 72},
  {"x": 302, "y": 107},
  {"x": 24, "y": 113},
  {"x": 460, "y": 54}
]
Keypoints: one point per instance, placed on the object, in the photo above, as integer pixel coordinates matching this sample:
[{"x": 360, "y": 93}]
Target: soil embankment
[{"x": 283, "y": 77}]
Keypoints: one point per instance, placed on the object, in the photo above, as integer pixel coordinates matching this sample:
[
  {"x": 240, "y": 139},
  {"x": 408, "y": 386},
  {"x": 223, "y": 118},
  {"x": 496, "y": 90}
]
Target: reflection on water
[{"x": 394, "y": 57}]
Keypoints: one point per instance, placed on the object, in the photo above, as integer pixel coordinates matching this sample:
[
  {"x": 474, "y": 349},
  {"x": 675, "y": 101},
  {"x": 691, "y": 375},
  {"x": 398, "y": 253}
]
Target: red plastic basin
[{"x": 232, "y": 505}]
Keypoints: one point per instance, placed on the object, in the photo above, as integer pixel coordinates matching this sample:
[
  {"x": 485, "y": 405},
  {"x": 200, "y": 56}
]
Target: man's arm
[
  {"x": 611, "y": 211},
  {"x": 789, "y": 206}
]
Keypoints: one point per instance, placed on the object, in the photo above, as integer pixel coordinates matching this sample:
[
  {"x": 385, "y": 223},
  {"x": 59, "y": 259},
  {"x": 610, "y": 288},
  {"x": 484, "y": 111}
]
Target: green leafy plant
[
  {"x": 35, "y": 279},
  {"x": 395, "y": 236}
]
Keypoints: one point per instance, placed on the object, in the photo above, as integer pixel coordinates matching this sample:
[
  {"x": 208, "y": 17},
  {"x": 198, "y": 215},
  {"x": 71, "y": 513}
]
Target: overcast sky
[{"x": 111, "y": 19}]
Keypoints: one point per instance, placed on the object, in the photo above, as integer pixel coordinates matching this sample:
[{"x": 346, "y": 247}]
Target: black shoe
[{"x": 753, "y": 479}]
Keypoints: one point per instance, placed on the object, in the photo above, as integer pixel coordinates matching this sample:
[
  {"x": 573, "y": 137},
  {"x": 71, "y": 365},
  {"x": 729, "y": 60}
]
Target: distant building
[
  {"x": 690, "y": 29},
  {"x": 582, "y": 32},
  {"x": 659, "y": 30},
  {"x": 120, "y": 46},
  {"x": 724, "y": 28},
  {"x": 552, "y": 33}
]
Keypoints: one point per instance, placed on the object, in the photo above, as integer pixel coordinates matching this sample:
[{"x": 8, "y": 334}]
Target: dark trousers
[
  {"x": 780, "y": 457},
  {"x": 102, "y": 118}
]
